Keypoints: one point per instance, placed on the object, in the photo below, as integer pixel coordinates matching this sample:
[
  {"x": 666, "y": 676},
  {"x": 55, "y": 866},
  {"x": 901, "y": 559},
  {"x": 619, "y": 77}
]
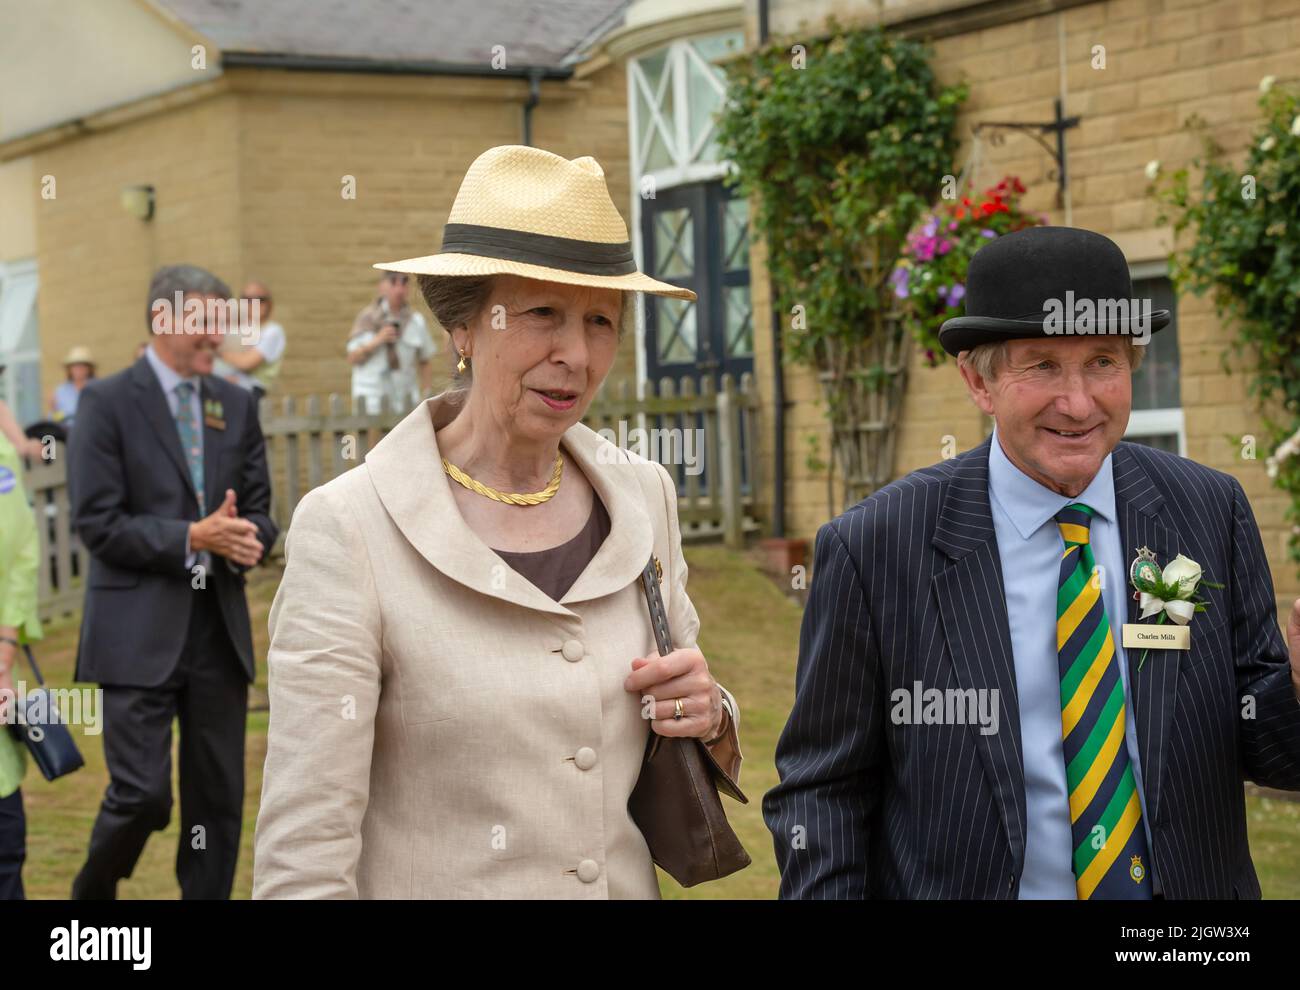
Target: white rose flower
[
  {"x": 1153, "y": 169},
  {"x": 1185, "y": 571},
  {"x": 1268, "y": 143},
  {"x": 1266, "y": 83},
  {"x": 1295, "y": 126}
]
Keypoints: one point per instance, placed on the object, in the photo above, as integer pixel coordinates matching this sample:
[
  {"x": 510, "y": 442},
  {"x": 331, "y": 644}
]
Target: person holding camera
[{"x": 390, "y": 349}]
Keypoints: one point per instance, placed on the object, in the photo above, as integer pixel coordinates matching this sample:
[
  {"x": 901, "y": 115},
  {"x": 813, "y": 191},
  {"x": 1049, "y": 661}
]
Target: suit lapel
[
  {"x": 623, "y": 555},
  {"x": 971, "y": 600},
  {"x": 1153, "y": 688},
  {"x": 157, "y": 413}
]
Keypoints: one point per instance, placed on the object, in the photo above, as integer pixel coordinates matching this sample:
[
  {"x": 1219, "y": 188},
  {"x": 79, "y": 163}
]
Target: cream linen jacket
[{"x": 439, "y": 726}]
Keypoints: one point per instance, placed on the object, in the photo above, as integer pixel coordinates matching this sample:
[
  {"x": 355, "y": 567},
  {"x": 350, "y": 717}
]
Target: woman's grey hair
[
  {"x": 171, "y": 279},
  {"x": 457, "y": 300},
  {"x": 987, "y": 360}
]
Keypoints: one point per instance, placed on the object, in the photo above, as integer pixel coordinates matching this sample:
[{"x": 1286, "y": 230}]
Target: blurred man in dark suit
[{"x": 170, "y": 495}]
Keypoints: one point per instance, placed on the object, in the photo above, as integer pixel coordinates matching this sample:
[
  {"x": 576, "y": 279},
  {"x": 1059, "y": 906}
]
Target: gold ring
[{"x": 678, "y": 712}]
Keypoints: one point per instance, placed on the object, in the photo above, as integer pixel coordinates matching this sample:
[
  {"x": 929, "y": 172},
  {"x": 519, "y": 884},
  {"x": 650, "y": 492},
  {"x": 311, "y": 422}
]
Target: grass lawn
[{"x": 750, "y": 634}]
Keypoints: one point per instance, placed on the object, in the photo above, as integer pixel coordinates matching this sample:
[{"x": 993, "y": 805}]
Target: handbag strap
[
  {"x": 35, "y": 669},
  {"x": 655, "y": 602}
]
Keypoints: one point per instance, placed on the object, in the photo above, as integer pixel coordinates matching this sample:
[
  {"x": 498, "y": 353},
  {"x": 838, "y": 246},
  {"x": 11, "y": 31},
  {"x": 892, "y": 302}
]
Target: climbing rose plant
[{"x": 842, "y": 144}]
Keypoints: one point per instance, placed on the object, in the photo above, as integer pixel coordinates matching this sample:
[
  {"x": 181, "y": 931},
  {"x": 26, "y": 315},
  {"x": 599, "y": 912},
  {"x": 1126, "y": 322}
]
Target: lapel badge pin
[
  {"x": 1144, "y": 571},
  {"x": 214, "y": 414}
]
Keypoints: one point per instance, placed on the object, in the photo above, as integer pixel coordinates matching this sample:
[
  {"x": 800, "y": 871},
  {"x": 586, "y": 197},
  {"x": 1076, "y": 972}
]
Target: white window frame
[
  {"x": 1156, "y": 422},
  {"x": 9, "y": 273},
  {"x": 685, "y": 168}
]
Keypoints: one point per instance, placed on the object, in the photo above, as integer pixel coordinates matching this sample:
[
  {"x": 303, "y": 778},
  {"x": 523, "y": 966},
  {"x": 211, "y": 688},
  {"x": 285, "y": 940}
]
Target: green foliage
[
  {"x": 844, "y": 154},
  {"x": 1244, "y": 228}
]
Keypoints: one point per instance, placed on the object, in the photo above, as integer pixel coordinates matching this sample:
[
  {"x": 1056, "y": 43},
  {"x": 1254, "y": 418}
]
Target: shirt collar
[
  {"x": 386, "y": 310},
  {"x": 1029, "y": 504},
  {"x": 167, "y": 377}
]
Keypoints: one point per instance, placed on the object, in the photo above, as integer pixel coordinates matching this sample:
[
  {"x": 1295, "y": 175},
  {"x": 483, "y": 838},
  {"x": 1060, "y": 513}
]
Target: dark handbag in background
[
  {"x": 43, "y": 731},
  {"x": 675, "y": 803}
]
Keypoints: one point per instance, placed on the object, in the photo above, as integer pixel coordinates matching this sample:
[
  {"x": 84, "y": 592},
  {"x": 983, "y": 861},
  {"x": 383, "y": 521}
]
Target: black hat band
[{"x": 563, "y": 253}]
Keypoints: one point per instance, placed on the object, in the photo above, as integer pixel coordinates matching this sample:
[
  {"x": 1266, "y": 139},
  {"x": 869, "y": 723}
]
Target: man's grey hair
[
  {"x": 170, "y": 279},
  {"x": 988, "y": 360},
  {"x": 457, "y": 300}
]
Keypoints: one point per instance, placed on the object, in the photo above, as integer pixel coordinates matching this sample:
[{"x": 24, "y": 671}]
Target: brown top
[{"x": 556, "y": 568}]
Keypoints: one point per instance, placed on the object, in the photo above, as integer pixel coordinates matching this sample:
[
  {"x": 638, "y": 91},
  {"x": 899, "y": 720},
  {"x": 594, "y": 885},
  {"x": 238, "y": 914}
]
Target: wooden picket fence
[
  {"x": 710, "y": 434},
  {"x": 718, "y": 426},
  {"x": 63, "y": 560}
]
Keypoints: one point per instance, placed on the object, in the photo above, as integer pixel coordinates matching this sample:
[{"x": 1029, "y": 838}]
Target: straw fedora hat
[
  {"x": 524, "y": 211},
  {"x": 79, "y": 355}
]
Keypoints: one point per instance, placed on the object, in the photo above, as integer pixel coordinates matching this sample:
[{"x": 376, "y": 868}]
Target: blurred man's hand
[{"x": 225, "y": 534}]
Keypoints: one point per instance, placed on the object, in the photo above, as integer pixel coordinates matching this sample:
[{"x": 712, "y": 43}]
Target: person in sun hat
[
  {"x": 79, "y": 366},
  {"x": 1093, "y": 727},
  {"x": 472, "y": 591}
]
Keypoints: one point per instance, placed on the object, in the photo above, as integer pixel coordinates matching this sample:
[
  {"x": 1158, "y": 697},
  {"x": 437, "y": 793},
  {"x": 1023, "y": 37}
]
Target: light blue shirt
[
  {"x": 1030, "y": 547},
  {"x": 66, "y": 397},
  {"x": 169, "y": 379}
]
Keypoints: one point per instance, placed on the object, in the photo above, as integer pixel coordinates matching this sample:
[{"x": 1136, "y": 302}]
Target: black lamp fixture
[
  {"x": 1058, "y": 126},
  {"x": 138, "y": 201}
]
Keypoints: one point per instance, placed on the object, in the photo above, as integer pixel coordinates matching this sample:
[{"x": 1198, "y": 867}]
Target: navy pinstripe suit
[{"x": 907, "y": 587}]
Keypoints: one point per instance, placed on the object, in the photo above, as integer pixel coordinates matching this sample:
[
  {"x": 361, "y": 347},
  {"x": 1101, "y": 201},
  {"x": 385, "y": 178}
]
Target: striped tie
[
  {"x": 1110, "y": 846},
  {"x": 189, "y": 432}
]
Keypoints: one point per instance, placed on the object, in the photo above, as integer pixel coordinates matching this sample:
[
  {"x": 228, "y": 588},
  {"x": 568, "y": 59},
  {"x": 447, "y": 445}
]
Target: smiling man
[{"x": 1004, "y": 576}]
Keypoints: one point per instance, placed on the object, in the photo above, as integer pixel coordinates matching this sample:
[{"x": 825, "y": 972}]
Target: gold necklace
[{"x": 532, "y": 498}]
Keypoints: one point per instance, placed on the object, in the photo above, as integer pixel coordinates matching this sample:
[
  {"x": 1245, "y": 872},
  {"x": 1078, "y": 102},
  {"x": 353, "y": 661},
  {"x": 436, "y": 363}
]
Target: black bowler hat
[{"x": 1015, "y": 282}]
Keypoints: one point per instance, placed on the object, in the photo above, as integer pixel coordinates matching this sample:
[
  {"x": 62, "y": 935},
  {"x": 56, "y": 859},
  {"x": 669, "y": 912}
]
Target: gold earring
[{"x": 460, "y": 365}]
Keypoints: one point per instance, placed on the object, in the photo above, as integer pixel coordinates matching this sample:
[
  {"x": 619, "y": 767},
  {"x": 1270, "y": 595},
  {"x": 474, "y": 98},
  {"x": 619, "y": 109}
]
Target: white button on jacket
[{"x": 424, "y": 730}]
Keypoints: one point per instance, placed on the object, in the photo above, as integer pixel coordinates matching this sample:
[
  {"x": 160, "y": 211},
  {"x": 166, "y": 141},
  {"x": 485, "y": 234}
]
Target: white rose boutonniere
[{"x": 1169, "y": 594}]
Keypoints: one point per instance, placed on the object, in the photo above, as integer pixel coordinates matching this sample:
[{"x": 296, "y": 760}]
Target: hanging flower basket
[{"x": 930, "y": 278}]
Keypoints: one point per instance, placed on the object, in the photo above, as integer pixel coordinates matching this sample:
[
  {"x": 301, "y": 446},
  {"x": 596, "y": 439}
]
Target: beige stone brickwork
[{"x": 250, "y": 184}]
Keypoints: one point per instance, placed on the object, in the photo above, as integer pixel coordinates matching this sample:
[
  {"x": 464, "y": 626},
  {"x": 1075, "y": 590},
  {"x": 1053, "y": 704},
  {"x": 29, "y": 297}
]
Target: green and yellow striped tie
[{"x": 1110, "y": 846}]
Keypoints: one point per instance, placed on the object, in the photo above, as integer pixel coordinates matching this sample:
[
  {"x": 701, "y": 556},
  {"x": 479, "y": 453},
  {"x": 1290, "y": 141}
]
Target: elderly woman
[{"x": 461, "y": 650}]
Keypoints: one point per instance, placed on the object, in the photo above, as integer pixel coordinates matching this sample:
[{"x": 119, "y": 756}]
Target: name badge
[{"x": 1161, "y": 637}]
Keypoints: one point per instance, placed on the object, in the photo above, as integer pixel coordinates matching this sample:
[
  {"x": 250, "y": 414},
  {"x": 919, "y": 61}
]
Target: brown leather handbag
[{"x": 675, "y": 803}]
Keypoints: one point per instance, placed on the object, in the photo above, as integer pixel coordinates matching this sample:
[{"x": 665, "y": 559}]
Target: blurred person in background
[
  {"x": 252, "y": 357},
  {"x": 170, "y": 495},
  {"x": 29, "y": 448},
  {"x": 80, "y": 368},
  {"x": 390, "y": 349},
  {"x": 19, "y": 563}
]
